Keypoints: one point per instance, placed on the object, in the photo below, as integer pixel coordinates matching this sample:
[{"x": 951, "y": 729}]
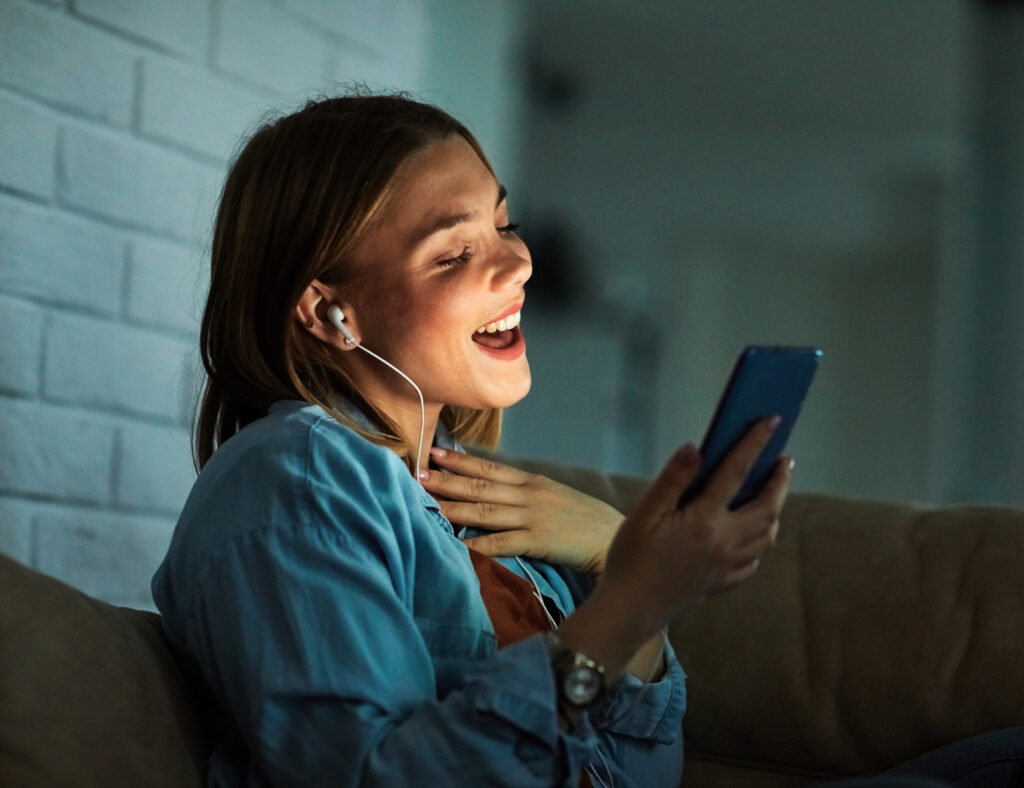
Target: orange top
[{"x": 515, "y": 611}]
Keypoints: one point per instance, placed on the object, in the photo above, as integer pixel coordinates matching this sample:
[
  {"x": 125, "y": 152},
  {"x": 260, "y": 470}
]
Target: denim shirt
[{"x": 327, "y": 603}]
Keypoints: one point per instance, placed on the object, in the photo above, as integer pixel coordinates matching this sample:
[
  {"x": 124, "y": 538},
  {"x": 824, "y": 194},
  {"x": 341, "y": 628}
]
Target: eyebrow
[{"x": 455, "y": 219}]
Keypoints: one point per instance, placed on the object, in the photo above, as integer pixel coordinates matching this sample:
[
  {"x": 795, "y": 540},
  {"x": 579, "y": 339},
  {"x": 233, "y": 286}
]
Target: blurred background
[{"x": 691, "y": 177}]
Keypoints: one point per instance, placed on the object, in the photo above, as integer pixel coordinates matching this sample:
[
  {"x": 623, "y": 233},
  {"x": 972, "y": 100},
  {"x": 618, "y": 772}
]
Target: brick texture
[
  {"x": 184, "y": 106},
  {"x": 166, "y": 285},
  {"x": 21, "y": 351},
  {"x": 268, "y": 46},
  {"x": 134, "y": 183},
  {"x": 182, "y": 26},
  {"x": 107, "y": 555},
  {"x": 16, "y": 530},
  {"x": 55, "y": 453},
  {"x": 154, "y": 469},
  {"x": 48, "y": 55},
  {"x": 112, "y": 366},
  {"x": 29, "y": 136},
  {"x": 60, "y": 259}
]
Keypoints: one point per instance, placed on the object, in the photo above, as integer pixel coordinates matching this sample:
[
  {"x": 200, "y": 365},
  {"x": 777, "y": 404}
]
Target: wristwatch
[{"x": 579, "y": 679}]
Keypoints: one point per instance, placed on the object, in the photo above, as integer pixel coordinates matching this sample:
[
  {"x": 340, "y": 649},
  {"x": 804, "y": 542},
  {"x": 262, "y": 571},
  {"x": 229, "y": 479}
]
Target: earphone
[{"x": 337, "y": 318}]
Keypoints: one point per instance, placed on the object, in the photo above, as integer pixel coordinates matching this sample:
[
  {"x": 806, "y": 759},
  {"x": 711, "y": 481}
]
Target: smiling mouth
[
  {"x": 507, "y": 322},
  {"x": 500, "y": 334}
]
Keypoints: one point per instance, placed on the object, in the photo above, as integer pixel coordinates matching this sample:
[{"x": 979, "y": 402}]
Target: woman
[{"x": 362, "y": 321}]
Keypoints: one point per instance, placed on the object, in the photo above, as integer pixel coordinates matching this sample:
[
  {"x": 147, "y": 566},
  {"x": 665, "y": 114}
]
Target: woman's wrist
[
  {"x": 648, "y": 664},
  {"x": 606, "y": 629}
]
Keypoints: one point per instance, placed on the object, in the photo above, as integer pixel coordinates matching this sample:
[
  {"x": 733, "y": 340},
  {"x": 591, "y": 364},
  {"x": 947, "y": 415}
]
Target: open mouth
[{"x": 500, "y": 334}]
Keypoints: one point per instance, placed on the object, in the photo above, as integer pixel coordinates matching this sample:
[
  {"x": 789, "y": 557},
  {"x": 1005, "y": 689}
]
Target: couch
[{"x": 874, "y": 632}]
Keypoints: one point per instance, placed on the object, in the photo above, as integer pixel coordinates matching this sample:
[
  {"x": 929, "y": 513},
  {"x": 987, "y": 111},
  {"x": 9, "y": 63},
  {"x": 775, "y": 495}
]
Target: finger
[
  {"x": 468, "y": 465},
  {"x": 727, "y": 479},
  {"x": 675, "y": 477},
  {"x": 469, "y": 488},
  {"x": 482, "y": 514},
  {"x": 738, "y": 575},
  {"x": 500, "y": 543},
  {"x": 758, "y": 546},
  {"x": 767, "y": 507}
]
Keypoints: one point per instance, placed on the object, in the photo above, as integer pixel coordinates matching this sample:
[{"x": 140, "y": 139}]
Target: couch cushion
[
  {"x": 89, "y": 693},
  {"x": 874, "y": 632}
]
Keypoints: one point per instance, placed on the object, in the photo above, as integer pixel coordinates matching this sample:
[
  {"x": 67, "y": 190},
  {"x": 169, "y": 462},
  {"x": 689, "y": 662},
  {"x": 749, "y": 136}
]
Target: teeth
[{"x": 501, "y": 325}]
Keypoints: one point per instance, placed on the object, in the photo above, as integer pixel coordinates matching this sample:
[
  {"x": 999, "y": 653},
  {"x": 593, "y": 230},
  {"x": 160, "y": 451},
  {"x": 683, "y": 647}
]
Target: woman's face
[{"x": 445, "y": 264}]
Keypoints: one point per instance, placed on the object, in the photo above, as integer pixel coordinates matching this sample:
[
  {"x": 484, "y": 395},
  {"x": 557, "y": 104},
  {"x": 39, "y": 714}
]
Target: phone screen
[{"x": 766, "y": 381}]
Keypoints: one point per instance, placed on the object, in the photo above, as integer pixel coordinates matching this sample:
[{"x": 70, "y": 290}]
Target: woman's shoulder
[
  {"x": 296, "y": 465},
  {"x": 297, "y": 438},
  {"x": 295, "y": 474}
]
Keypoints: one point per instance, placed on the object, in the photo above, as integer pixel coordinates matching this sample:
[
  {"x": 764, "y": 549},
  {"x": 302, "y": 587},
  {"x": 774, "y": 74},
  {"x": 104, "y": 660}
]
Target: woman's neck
[{"x": 408, "y": 417}]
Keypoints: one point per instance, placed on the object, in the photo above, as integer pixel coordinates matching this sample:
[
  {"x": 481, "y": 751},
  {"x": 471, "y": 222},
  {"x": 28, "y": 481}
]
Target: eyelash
[
  {"x": 467, "y": 255},
  {"x": 451, "y": 262}
]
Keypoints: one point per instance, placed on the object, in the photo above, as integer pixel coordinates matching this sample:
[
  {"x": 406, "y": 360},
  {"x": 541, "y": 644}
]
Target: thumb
[{"x": 675, "y": 477}]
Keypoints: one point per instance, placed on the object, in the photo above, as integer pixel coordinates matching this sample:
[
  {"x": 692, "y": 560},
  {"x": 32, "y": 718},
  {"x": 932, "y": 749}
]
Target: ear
[{"x": 311, "y": 312}]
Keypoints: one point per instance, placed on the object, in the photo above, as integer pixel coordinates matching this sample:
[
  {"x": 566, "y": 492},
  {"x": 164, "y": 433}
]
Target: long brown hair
[{"x": 295, "y": 202}]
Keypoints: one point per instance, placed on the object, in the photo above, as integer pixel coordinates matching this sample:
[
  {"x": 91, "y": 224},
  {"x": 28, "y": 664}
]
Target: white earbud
[{"x": 337, "y": 318}]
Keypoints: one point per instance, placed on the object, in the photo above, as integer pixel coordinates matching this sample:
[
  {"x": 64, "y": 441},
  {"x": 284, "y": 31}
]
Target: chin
[
  {"x": 519, "y": 389},
  {"x": 505, "y": 396}
]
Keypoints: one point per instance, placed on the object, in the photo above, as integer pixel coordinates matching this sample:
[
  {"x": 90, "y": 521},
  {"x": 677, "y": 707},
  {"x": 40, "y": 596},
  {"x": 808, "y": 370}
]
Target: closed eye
[{"x": 451, "y": 262}]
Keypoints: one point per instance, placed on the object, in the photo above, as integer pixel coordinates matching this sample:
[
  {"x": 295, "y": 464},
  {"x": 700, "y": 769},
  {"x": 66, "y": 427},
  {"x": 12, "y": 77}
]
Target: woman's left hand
[{"x": 526, "y": 513}]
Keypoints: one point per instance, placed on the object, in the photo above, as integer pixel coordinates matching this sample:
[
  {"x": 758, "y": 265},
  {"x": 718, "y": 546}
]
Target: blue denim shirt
[{"x": 329, "y": 606}]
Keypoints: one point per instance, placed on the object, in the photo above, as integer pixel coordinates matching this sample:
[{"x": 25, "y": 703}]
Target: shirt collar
[{"x": 442, "y": 436}]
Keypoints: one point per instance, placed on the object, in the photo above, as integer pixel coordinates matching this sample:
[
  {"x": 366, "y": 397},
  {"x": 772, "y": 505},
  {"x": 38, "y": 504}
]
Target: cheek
[
  {"x": 390, "y": 314},
  {"x": 443, "y": 313}
]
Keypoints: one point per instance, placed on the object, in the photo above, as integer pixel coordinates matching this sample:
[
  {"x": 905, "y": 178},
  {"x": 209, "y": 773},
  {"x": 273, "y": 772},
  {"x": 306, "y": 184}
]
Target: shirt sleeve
[
  {"x": 306, "y": 633},
  {"x": 639, "y": 725}
]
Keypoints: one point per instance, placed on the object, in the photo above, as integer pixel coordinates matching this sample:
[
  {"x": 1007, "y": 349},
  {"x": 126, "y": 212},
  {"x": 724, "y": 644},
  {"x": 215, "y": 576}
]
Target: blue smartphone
[{"x": 766, "y": 381}]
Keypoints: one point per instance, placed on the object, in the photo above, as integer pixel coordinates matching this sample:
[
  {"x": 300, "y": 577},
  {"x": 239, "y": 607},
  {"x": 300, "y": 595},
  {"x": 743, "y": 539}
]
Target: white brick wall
[
  {"x": 29, "y": 162},
  {"x": 116, "y": 120}
]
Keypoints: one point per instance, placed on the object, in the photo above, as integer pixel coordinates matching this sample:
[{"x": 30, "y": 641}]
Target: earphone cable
[{"x": 423, "y": 410}]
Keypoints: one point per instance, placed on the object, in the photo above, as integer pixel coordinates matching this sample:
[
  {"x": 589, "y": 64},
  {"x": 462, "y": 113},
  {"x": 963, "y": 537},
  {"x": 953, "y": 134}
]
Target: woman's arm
[{"x": 667, "y": 557}]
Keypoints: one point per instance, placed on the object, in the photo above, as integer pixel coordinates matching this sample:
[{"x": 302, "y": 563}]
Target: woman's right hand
[{"x": 663, "y": 558}]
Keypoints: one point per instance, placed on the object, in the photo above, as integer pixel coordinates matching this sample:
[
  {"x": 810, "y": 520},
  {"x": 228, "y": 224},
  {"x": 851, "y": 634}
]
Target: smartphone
[{"x": 765, "y": 381}]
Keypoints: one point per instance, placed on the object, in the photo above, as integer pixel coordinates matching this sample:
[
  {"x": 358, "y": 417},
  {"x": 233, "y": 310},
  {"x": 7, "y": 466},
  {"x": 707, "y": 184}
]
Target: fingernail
[
  {"x": 792, "y": 463},
  {"x": 688, "y": 453},
  {"x": 424, "y": 475},
  {"x": 773, "y": 422},
  {"x": 437, "y": 452}
]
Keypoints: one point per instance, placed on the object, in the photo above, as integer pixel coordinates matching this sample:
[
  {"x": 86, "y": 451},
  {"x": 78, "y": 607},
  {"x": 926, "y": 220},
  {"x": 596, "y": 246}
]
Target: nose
[{"x": 512, "y": 268}]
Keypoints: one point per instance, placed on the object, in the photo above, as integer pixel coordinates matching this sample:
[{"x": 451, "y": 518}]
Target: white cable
[
  {"x": 592, "y": 771},
  {"x": 591, "y": 768},
  {"x": 423, "y": 410},
  {"x": 536, "y": 592}
]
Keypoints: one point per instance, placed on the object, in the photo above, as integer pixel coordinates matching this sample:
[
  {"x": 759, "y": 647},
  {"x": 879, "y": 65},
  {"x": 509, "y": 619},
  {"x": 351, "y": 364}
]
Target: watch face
[{"x": 582, "y": 685}]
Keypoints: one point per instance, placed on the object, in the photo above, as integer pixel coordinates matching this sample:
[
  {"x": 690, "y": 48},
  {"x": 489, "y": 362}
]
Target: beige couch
[{"x": 874, "y": 632}]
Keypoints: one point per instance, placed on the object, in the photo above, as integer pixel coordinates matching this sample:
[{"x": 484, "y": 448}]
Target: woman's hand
[
  {"x": 680, "y": 556},
  {"x": 526, "y": 513}
]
